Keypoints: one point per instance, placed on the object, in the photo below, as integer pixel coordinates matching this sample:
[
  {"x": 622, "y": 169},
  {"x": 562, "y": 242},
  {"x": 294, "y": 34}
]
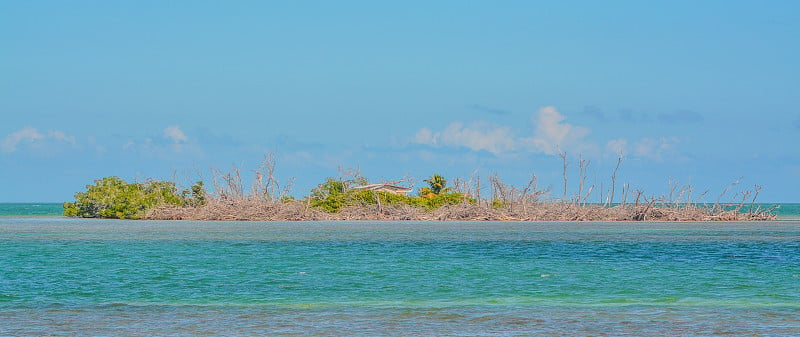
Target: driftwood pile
[
  {"x": 255, "y": 210},
  {"x": 271, "y": 201}
]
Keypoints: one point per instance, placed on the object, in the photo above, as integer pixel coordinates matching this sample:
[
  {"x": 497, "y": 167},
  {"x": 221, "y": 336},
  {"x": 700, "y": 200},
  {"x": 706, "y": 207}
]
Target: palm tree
[{"x": 437, "y": 183}]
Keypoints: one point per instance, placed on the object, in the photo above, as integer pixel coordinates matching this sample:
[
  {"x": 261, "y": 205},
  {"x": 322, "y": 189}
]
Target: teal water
[
  {"x": 30, "y": 209},
  {"x": 786, "y": 211},
  {"x": 404, "y": 278}
]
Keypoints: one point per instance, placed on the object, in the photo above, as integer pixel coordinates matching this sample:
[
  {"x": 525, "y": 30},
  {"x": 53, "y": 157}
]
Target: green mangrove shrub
[
  {"x": 334, "y": 195},
  {"x": 112, "y": 197},
  {"x": 195, "y": 196},
  {"x": 329, "y": 196}
]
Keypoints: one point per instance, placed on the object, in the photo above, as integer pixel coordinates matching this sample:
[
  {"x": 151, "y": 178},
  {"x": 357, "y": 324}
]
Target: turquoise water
[
  {"x": 22, "y": 209},
  {"x": 786, "y": 211},
  {"x": 404, "y": 278}
]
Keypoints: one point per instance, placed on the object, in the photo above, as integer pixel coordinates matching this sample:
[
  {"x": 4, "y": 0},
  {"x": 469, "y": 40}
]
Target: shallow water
[{"x": 62, "y": 276}]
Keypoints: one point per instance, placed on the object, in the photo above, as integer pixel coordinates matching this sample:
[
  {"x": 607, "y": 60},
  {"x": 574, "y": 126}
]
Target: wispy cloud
[
  {"x": 25, "y": 135},
  {"x": 493, "y": 111},
  {"x": 62, "y": 137},
  {"x": 31, "y": 137},
  {"x": 175, "y": 134},
  {"x": 478, "y": 136},
  {"x": 172, "y": 142},
  {"x": 551, "y": 134},
  {"x": 654, "y": 148},
  {"x": 647, "y": 147},
  {"x": 617, "y": 146}
]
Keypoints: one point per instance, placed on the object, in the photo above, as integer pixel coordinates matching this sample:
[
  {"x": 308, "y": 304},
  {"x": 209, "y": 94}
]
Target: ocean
[{"x": 67, "y": 277}]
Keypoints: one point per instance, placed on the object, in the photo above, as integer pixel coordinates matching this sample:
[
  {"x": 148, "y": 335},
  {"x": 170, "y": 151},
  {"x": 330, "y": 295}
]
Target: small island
[{"x": 352, "y": 197}]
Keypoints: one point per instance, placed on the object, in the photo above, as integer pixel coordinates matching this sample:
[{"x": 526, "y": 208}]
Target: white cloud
[
  {"x": 31, "y": 137},
  {"x": 653, "y": 148},
  {"x": 175, "y": 134},
  {"x": 24, "y": 135},
  {"x": 617, "y": 146},
  {"x": 425, "y": 136},
  {"x": 477, "y": 137},
  {"x": 647, "y": 147},
  {"x": 172, "y": 142},
  {"x": 60, "y": 136},
  {"x": 552, "y": 135}
]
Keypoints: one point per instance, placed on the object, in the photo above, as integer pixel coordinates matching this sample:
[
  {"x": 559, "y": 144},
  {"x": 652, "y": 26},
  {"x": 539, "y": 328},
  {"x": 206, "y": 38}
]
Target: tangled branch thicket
[{"x": 268, "y": 200}]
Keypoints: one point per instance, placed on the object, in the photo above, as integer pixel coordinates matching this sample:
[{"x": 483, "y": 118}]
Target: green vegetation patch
[
  {"x": 334, "y": 195},
  {"x": 112, "y": 197},
  {"x": 334, "y": 202}
]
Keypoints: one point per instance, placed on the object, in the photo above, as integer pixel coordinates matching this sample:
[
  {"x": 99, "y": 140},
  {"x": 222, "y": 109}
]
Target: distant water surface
[
  {"x": 63, "y": 277},
  {"x": 786, "y": 211},
  {"x": 31, "y": 209}
]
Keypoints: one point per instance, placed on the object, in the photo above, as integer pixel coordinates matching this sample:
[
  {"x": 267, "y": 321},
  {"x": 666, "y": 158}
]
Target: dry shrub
[
  {"x": 260, "y": 210},
  {"x": 269, "y": 201}
]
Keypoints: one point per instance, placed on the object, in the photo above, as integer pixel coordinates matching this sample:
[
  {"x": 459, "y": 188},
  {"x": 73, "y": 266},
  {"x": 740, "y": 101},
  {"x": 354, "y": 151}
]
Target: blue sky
[{"x": 701, "y": 93}]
